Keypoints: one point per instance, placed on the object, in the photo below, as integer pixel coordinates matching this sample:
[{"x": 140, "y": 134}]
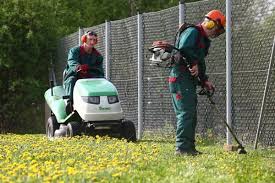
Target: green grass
[{"x": 33, "y": 158}]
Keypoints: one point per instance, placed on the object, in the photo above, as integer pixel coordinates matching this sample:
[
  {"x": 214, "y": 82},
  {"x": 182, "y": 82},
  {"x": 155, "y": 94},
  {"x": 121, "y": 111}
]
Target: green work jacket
[
  {"x": 193, "y": 45},
  {"x": 78, "y": 56}
]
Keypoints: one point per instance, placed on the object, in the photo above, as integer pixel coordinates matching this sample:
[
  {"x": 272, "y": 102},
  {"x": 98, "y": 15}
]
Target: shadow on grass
[
  {"x": 201, "y": 140},
  {"x": 163, "y": 141}
]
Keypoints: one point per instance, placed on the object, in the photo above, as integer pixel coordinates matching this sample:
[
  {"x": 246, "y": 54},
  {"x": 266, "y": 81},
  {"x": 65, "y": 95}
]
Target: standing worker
[
  {"x": 193, "y": 43},
  {"x": 83, "y": 62}
]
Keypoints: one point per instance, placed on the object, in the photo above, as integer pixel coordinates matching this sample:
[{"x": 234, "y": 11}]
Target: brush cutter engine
[
  {"x": 162, "y": 54},
  {"x": 159, "y": 57}
]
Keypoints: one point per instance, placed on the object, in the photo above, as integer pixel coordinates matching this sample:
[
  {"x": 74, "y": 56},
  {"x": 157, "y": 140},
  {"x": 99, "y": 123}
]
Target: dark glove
[
  {"x": 163, "y": 44},
  {"x": 208, "y": 85},
  {"x": 82, "y": 71},
  {"x": 82, "y": 68}
]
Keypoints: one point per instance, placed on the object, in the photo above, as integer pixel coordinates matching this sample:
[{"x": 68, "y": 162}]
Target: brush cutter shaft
[
  {"x": 209, "y": 95},
  {"x": 229, "y": 128}
]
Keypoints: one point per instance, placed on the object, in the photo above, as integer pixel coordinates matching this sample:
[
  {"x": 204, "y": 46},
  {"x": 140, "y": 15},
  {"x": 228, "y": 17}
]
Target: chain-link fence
[{"x": 253, "y": 29}]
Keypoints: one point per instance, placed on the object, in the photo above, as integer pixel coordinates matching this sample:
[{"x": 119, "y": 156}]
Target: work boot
[
  {"x": 185, "y": 152},
  {"x": 196, "y": 151}
]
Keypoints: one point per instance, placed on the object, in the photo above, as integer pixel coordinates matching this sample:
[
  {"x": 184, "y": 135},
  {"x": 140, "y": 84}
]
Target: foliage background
[{"x": 29, "y": 30}]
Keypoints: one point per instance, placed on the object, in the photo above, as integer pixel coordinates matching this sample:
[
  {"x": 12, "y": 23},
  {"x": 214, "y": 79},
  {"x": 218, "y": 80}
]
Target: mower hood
[{"x": 95, "y": 87}]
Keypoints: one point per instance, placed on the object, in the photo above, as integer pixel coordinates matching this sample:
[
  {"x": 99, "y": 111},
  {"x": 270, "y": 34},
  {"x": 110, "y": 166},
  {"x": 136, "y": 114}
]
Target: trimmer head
[
  {"x": 232, "y": 148},
  {"x": 241, "y": 150}
]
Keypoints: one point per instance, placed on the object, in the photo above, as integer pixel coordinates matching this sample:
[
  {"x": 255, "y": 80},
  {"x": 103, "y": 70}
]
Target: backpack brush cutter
[
  {"x": 163, "y": 54},
  {"x": 209, "y": 95}
]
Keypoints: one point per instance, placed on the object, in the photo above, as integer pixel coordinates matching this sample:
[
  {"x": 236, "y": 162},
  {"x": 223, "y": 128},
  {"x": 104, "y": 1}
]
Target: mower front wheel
[
  {"x": 51, "y": 126},
  {"x": 73, "y": 129},
  {"x": 128, "y": 131}
]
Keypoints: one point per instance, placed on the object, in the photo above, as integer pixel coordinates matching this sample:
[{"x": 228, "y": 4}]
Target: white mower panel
[{"x": 97, "y": 112}]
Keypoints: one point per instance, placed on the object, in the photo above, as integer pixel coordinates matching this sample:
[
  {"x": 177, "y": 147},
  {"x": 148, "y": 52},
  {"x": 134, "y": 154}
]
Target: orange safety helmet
[{"x": 217, "y": 16}]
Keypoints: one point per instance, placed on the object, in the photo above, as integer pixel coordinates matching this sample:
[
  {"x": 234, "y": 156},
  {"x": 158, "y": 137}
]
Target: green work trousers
[
  {"x": 184, "y": 98},
  {"x": 69, "y": 86}
]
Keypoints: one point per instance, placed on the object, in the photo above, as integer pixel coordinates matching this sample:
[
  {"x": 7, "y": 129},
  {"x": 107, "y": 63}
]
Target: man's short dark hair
[{"x": 91, "y": 33}]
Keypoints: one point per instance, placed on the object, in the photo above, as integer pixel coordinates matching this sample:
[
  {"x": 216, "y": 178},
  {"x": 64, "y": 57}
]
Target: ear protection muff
[
  {"x": 84, "y": 38},
  {"x": 210, "y": 24}
]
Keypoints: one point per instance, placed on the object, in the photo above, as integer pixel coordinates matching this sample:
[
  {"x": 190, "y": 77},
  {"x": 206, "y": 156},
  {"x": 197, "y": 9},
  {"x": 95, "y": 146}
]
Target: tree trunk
[{"x": 133, "y": 7}]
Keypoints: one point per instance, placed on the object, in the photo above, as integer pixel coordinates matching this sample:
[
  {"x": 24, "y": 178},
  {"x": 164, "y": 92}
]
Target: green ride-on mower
[{"x": 96, "y": 110}]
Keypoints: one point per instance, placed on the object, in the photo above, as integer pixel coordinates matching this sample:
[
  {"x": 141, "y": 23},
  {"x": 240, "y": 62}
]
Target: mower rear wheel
[
  {"x": 73, "y": 129},
  {"x": 51, "y": 126},
  {"x": 128, "y": 131}
]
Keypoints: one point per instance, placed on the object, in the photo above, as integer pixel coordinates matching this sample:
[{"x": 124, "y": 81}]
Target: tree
[{"x": 27, "y": 42}]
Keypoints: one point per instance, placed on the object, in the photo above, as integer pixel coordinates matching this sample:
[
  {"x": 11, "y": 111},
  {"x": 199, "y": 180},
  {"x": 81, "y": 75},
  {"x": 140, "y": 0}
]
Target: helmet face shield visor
[{"x": 219, "y": 31}]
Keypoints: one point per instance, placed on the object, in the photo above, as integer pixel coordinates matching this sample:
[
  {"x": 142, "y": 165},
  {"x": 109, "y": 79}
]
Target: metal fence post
[
  {"x": 107, "y": 49},
  {"x": 265, "y": 93},
  {"x": 80, "y": 32},
  {"x": 228, "y": 72},
  {"x": 140, "y": 73},
  {"x": 181, "y": 12}
]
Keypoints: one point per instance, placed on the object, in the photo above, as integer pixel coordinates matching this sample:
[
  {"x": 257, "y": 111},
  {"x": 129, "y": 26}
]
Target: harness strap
[{"x": 186, "y": 26}]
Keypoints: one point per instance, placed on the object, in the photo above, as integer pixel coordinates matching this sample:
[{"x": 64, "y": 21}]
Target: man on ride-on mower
[{"x": 83, "y": 62}]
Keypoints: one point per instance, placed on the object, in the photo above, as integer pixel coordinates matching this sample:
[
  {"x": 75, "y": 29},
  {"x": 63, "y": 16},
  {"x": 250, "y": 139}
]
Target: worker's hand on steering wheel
[
  {"x": 194, "y": 70},
  {"x": 82, "y": 71},
  {"x": 84, "y": 68}
]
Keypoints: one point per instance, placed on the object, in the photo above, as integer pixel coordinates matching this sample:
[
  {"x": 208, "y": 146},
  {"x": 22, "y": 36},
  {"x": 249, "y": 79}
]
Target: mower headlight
[
  {"x": 91, "y": 100},
  {"x": 112, "y": 99}
]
